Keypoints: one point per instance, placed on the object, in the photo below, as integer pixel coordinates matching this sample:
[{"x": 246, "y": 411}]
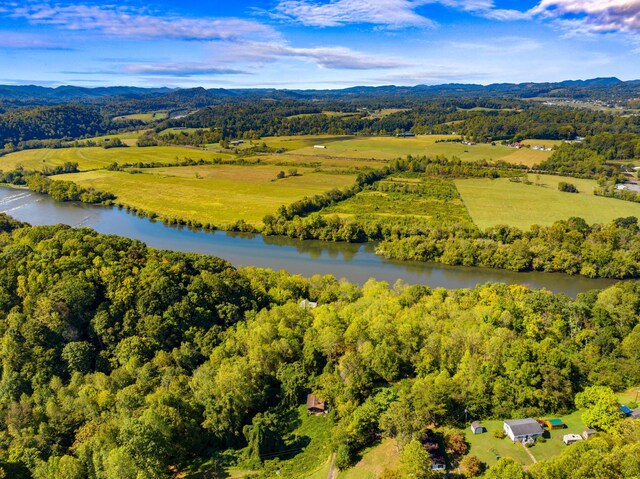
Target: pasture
[
  {"x": 218, "y": 194},
  {"x": 374, "y": 147},
  {"x": 90, "y": 158},
  {"x": 500, "y": 201},
  {"x": 293, "y": 143},
  {"x": 146, "y": 117}
]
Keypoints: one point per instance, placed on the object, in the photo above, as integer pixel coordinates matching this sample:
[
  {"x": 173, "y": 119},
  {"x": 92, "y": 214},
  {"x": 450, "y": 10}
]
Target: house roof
[
  {"x": 524, "y": 427},
  {"x": 555, "y": 422},
  {"x": 314, "y": 403}
]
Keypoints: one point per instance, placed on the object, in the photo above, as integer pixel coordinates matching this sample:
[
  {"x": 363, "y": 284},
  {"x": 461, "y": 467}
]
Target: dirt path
[
  {"x": 332, "y": 469},
  {"x": 529, "y": 452}
]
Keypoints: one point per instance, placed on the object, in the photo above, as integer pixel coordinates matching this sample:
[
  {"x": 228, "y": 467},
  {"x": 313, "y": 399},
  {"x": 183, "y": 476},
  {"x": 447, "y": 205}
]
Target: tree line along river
[{"x": 355, "y": 262}]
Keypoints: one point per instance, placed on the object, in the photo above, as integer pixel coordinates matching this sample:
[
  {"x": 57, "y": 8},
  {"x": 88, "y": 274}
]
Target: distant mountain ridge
[{"x": 121, "y": 100}]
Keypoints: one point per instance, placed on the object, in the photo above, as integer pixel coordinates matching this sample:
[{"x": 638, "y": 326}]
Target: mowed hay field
[
  {"x": 377, "y": 147},
  {"x": 222, "y": 195},
  {"x": 95, "y": 157},
  {"x": 492, "y": 202}
]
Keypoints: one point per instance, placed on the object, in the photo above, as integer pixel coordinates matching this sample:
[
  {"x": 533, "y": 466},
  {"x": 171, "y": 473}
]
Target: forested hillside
[{"x": 120, "y": 361}]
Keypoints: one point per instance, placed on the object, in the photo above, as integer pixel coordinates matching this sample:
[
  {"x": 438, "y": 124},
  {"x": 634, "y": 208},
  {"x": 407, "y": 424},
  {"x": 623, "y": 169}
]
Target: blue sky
[{"x": 316, "y": 44}]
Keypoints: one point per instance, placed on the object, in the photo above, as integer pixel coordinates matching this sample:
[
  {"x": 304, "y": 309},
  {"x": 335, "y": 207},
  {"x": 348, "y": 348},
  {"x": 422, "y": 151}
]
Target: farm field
[
  {"x": 95, "y": 157},
  {"x": 296, "y": 142},
  {"x": 223, "y": 195},
  {"x": 291, "y": 159},
  {"x": 501, "y": 201},
  {"x": 146, "y": 117},
  {"x": 378, "y": 147},
  {"x": 426, "y": 201},
  {"x": 545, "y": 143},
  {"x": 129, "y": 138},
  {"x": 527, "y": 157}
]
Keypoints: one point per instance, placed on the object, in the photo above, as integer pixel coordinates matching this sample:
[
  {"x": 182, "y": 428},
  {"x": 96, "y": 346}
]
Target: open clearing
[
  {"x": 374, "y": 461},
  {"x": 492, "y": 202},
  {"x": 223, "y": 195},
  {"x": 378, "y": 147},
  {"x": 146, "y": 117},
  {"x": 95, "y": 157}
]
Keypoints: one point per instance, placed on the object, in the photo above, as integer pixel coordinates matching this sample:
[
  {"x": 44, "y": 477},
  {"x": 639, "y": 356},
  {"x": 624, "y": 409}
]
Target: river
[{"x": 355, "y": 262}]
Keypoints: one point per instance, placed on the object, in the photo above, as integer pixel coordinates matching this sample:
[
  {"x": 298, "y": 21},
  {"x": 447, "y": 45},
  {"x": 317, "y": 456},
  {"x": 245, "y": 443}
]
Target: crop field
[
  {"x": 545, "y": 143},
  {"x": 146, "y": 117},
  {"x": 95, "y": 157},
  {"x": 527, "y": 157},
  {"x": 293, "y": 160},
  {"x": 292, "y": 143},
  {"x": 501, "y": 201},
  {"x": 415, "y": 201},
  {"x": 220, "y": 195},
  {"x": 129, "y": 138},
  {"x": 378, "y": 147}
]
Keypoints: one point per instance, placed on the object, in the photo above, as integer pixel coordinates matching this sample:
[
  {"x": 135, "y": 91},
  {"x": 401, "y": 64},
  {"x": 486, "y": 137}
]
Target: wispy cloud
[
  {"x": 332, "y": 57},
  {"x": 509, "y": 45},
  {"x": 122, "y": 21},
  {"x": 388, "y": 13},
  {"x": 182, "y": 70},
  {"x": 26, "y": 41},
  {"x": 592, "y": 16}
]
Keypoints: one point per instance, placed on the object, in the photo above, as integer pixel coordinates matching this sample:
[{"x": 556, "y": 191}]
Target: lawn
[
  {"x": 485, "y": 446},
  {"x": 492, "y": 202},
  {"x": 95, "y": 157},
  {"x": 222, "y": 195},
  {"x": 374, "y": 461},
  {"x": 554, "y": 445},
  {"x": 377, "y": 147}
]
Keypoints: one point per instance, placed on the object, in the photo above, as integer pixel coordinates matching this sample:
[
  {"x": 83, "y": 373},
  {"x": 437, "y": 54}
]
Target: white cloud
[
  {"x": 332, "y": 57},
  {"x": 27, "y": 41},
  {"x": 389, "y": 13},
  {"x": 182, "y": 69},
  {"x": 120, "y": 21},
  {"x": 592, "y": 16}
]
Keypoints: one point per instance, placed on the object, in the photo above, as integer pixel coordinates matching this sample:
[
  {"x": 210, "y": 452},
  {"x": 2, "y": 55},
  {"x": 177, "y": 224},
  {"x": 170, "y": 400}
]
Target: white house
[{"x": 522, "y": 429}]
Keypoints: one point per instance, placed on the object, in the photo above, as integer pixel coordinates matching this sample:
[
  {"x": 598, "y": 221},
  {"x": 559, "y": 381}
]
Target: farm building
[
  {"x": 587, "y": 434},
  {"x": 315, "y": 405},
  {"x": 554, "y": 424},
  {"x": 406, "y": 134},
  {"x": 320, "y": 147},
  {"x": 236, "y": 142},
  {"x": 626, "y": 410},
  {"x": 430, "y": 443},
  {"x": 522, "y": 429},
  {"x": 477, "y": 428},
  {"x": 571, "y": 438},
  {"x": 635, "y": 414}
]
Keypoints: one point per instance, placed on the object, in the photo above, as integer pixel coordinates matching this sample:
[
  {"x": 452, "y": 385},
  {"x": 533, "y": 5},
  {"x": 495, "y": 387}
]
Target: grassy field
[
  {"x": 374, "y": 461},
  {"x": 293, "y": 143},
  {"x": 146, "y": 117},
  {"x": 501, "y": 201},
  {"x": 378, "y": 147},
  {"x": 554, "y": 445},
  {"x": 96, "y": 157},
  {"x": 545, "y": 143},
  {"x": 526, "y": 156},
  {"x": 425, "y": 201},
  {"x": 221, "y": 196}
]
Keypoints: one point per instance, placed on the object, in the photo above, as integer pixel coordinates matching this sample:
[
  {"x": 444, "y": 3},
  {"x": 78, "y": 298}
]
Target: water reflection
[{"x": 355, "y": 262}]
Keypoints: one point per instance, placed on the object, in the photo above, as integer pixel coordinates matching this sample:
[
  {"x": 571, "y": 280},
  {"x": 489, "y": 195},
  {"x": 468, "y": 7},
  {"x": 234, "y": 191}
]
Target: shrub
[
  {"x": 567, "y": 187},
  {"x": 499, "y": 433}
]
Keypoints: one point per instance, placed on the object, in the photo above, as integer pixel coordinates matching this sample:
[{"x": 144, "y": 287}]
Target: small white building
[
  {"x": 571, "y": 438},
  {"x": 320, "y": 147},
  {"x": 520, "y": 430}
]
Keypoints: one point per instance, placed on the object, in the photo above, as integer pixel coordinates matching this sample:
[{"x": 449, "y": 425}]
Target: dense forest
[{"x": 121, "y": 361}]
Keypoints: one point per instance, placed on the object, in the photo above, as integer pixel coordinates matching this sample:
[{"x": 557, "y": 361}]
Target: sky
[{"x": 303, "y": 44}]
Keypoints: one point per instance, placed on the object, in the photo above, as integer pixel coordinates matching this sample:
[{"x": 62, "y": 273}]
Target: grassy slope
[
  {"x": 374, "y": 461},
  {"x": 95, "y": 157},
  {"x": 492, "y": 202},
  {"x": 223, "y": 195}
]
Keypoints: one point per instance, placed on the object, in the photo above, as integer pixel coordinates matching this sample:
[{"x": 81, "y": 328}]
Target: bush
[
  {"x": 567, "y": 187},
  {"x": 499, "y": 433}
]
